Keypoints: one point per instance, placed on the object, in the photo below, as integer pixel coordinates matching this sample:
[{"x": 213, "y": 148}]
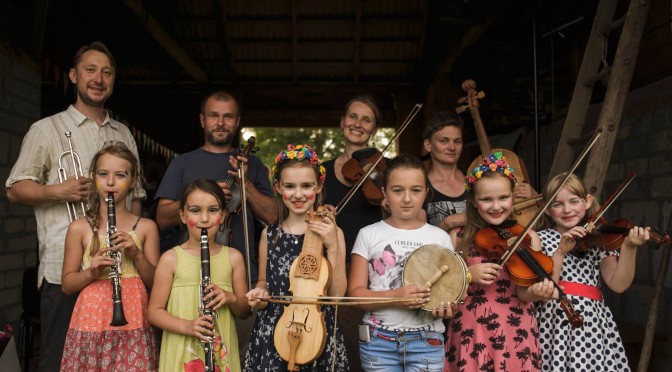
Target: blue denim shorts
[{"x": 391, "y": 351}]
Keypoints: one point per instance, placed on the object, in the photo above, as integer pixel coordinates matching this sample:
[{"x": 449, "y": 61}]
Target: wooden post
[
  {"x": 619, "y": 85},
  {"x": 576, "y": 116}
]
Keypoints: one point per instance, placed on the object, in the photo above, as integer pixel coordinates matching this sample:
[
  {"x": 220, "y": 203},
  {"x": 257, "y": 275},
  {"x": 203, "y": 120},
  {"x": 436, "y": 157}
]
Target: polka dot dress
[{"x": 597, "y": 346}]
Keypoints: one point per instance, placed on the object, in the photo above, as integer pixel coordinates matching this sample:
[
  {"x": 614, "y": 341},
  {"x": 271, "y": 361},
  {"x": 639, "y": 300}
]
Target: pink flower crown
[
  {"x": 298, "y": 153},
  {"x": 494, "y": 162}
]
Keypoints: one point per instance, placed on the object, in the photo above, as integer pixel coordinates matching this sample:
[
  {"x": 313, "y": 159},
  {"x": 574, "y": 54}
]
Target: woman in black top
[{"x": 359, "y": 123}]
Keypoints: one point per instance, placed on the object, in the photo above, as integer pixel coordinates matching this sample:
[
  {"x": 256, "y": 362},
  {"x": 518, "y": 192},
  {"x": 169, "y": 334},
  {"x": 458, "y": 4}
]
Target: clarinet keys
[{"x": 118, "y": 318}]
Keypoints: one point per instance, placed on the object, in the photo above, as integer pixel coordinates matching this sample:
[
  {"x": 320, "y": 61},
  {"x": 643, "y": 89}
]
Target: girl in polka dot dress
[{"x": 596, "y": 346}]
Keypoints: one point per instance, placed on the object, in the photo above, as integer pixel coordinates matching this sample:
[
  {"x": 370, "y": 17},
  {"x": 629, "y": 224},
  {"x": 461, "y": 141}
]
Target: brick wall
[{"x": 19, "y": 107}]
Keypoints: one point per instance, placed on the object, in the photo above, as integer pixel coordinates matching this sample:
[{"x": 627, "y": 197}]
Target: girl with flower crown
[
  {"x": 298, "y": 177},
  {"x": 495, "y": 329}
]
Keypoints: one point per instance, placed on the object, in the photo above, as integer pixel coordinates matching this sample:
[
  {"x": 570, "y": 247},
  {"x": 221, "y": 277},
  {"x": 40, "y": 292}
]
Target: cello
[
  {"x": 523, "y": 208},
  {"x": 300, "y": 334}
]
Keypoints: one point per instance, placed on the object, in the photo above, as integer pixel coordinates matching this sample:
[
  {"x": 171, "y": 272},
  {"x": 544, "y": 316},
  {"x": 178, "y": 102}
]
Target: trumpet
[{"x": 73, "y": 212}]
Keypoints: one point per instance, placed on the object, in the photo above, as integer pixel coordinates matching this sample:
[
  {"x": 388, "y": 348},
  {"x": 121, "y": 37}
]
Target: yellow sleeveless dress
[{"x": 185, "y": 353}]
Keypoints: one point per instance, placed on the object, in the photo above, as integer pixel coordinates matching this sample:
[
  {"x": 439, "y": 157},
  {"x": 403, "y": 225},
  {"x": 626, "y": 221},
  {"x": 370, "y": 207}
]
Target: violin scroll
[{"x": 574, "y": 317}]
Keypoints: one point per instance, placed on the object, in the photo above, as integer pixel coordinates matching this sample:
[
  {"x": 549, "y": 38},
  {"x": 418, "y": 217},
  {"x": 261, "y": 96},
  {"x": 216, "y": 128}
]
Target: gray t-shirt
[{"x": 215, "y": 166}]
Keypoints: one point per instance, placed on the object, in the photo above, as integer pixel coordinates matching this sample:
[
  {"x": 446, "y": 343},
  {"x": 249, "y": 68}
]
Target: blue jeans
[{"x": 390, "y": 351}]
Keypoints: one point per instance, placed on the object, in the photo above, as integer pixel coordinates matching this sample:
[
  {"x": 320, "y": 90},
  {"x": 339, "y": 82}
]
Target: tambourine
[{"x": 440, "y": 269}]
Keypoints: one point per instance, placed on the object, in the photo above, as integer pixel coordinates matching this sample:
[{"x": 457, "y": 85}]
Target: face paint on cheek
[
  {"x": 123, "y": 186},
  {"x": 99, "y": 187},
  {"x": 286, "y": 196},
  {"x": 191, "y": 223},
  {"x": 218, "y": 221},
  {"x": 311, "y": 196}
]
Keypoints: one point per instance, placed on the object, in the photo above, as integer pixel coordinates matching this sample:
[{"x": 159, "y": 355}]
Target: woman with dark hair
[{"x": 446, "y": 201}]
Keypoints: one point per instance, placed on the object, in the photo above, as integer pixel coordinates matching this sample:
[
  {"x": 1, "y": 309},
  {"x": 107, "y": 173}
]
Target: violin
[
  {"x": 610, "y": 236},
  {"x": 300, "y": 334},
  {"x": 492, "y": 246},
  {"x": 358, "y": 165},
  {"x": 523, "y": 208},
  {"x": 234, "y": 205},
  {"x": 527, "y": 266}
]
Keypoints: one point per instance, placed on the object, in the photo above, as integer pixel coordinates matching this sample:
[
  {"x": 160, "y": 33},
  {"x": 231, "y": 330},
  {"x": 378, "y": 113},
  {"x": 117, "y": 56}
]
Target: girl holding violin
[
  {"x": 399, "y": 336},
  {"x": 495, "y": 329},
  {"x": 598, "y": 343},
  {"x": 298, "y": 177}
]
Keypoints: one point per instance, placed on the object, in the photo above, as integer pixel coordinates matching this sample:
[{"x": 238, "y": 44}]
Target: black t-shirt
[
  {"x": 356, "y": 214},
  {"x": 438, "y": 206}
]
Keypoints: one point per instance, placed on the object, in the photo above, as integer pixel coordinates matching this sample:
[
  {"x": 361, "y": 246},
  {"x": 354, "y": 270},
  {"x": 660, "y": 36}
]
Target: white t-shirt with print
[{"x": 387, "y": 249}]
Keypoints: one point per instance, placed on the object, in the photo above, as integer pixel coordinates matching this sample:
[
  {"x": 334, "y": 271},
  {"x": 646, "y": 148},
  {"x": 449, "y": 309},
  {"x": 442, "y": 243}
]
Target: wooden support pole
[
  {"x": 576, "y": 116},
  {"x": 619, "y": 85},
  {"x": 650, "y": 331}
]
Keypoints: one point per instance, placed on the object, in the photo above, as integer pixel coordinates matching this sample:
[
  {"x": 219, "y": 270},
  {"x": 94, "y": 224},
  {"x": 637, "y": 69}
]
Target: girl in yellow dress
[{"x": 174, "y": 302}]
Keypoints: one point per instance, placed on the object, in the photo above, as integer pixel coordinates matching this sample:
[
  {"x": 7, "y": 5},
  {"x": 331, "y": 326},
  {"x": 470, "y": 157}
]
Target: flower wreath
[
  {"x": 298, "y": 153},
  {"x": 494, "y": 162}
]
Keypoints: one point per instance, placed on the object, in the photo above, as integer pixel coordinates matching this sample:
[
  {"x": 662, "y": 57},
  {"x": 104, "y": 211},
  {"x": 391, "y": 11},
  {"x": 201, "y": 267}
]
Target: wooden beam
[
  {"x": 228, "y": 45},
  {"x": 576, "y": 115},
  {"x": 358, "y": 42},
  {"x": 166, "y": 41},
  {"x": 619, "y": 85},
  {"x": 39, "y": 21},
  {"x": 295, "y": 44}
]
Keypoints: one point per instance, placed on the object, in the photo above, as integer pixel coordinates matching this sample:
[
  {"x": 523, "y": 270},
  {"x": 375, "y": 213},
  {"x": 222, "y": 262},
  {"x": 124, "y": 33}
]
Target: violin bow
[
  {"x": 612, "y": 198},
  {"x": 333, "y": 300},
  {"x": 512, "y": 249},
  {"x": 243, "y": 199},
  {"x": 361, "y": 181}
]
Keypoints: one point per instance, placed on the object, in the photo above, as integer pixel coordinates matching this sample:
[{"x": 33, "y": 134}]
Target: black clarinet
[
  {"x": 118, "y": 318},
  {"x": 208, "y": 346}
]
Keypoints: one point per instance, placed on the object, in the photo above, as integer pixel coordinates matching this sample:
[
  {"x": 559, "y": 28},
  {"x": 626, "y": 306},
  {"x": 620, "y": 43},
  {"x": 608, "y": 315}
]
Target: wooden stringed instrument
[
  {"x": 234, "y": 205},
  {"x": 523, "y": 209},
  {"x": 300, "y": 334}
]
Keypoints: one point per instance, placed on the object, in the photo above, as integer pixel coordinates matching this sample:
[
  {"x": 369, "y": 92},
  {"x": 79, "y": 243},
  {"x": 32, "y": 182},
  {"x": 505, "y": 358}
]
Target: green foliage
[{"x": 327, "y": 142}]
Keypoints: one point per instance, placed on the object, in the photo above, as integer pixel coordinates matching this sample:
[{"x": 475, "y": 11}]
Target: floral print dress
[
  {"x": 493, "y": 330},
  {"x": 262, "y": 355},
  {"x": 92, "y": 343}
]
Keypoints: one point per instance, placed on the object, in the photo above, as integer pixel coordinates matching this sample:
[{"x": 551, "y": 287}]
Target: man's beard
[
  {"x": 223, "y": 141},
  {"x": 81, "y": 95}
]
